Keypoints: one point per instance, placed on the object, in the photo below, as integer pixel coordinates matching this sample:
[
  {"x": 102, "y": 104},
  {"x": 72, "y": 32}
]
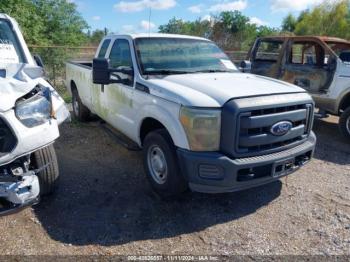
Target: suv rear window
[{"x": 269, "y": 51}]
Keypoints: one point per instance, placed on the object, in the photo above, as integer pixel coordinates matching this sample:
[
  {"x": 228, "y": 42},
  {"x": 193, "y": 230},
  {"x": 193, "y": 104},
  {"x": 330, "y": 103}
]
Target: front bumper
[
  {"x": 217, "y": 173},
  {"x": 18, "y": 192}
]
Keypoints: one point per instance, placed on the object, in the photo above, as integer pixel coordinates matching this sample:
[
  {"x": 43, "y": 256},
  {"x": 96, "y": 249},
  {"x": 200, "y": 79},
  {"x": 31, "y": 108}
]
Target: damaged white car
[{"x": 30, "y": 113}]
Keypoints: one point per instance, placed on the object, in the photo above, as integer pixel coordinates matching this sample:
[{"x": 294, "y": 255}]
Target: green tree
[
  {"x": 96, "y": 36},
  {"x": 24, "y": 11},
  {"x": 328, "y": 19},
  {"x": 289, "y": 23}
]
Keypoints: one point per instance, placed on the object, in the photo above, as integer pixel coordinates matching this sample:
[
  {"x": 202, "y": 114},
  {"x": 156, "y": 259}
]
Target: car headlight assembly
[
  {"x": 35, "y": 110},
  {"x": 202, "y": 127}
]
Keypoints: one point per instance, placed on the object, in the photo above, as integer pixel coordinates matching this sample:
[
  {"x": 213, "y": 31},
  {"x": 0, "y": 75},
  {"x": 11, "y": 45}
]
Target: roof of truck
[
  {"x": 157, "y": 35},
  {"x": 320, "y": 38}
]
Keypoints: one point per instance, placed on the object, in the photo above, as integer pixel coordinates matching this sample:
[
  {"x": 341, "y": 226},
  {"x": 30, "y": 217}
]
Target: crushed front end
[{"x": 19, "y": 186}]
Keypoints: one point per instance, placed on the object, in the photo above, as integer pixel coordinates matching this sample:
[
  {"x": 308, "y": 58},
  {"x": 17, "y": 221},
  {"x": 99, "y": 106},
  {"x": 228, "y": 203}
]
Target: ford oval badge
[{"x": 281, "y": 128}]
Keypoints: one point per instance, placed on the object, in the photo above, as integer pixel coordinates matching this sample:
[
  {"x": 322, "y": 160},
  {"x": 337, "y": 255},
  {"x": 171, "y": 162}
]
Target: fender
[{"x": 164, "y": 116}]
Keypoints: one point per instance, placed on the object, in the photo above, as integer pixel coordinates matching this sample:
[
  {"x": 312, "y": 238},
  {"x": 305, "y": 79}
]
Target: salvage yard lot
[{"x": 104, "y": 206}]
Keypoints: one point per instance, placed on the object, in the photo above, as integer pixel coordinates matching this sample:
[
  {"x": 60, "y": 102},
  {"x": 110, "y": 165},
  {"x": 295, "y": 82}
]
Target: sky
[{"x": 132, "y": 16}]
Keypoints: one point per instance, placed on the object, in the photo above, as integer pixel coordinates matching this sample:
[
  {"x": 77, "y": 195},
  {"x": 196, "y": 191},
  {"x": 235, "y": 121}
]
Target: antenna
[{"x": 149, "y": 21}]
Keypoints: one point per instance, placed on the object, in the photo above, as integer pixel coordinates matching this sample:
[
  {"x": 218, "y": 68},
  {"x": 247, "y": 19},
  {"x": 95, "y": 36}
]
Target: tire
[
  {"x": 48, "y": 177},
  {"x": 80, "y": 112},
  {"x": 344, "y": 123},
  {"x": 162, "y": 170}
]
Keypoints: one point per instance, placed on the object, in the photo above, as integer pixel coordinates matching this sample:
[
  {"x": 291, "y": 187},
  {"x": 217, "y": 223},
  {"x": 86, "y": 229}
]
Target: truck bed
[{"x": 86, "y": 64}]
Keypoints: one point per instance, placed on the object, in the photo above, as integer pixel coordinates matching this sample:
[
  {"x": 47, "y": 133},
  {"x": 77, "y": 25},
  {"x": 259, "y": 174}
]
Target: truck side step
[{"x": 120, "y": 138}]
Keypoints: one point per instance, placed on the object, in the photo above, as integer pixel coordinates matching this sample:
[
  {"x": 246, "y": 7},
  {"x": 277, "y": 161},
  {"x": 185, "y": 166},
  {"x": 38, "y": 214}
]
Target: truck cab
[
  {"x": 200, "y": 122},
  {"x": 320, "y": 65}
]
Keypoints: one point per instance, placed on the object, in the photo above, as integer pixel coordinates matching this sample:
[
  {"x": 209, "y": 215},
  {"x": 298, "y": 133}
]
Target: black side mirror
[
  {"x": 245, "y": 66},
  {"x": 38, "y": 61},
  {"x": 100, "y": 71}
]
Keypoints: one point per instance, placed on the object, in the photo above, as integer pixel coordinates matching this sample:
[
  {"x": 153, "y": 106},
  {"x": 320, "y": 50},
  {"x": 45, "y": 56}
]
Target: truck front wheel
[
  {"x": 45, "y": 160},
  {"x": 80, "y": 111},
  {"x": 344, "y": 123},
  {"x": 161, "y": 164}
]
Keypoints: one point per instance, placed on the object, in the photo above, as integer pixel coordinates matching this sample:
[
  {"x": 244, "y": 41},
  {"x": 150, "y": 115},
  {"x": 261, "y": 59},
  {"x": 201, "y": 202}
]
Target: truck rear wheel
[
  {"x": 161, "y": 164},
  {"x": 46, "y": 160},
  {"x": 344, "y": 123},
  {"x": 80, "y": 112}
]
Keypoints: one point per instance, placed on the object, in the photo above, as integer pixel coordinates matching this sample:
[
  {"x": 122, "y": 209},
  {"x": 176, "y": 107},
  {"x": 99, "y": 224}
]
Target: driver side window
[{"x": 120, "y": 58}]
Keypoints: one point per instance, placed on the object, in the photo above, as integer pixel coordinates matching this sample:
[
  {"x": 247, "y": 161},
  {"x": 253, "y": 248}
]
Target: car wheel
[
  {"x": 80, "y": 112},
  {"x": 344, "y": 123},
  {"x": 161, "y": 164},
  {"x": 45, "y": 160}
]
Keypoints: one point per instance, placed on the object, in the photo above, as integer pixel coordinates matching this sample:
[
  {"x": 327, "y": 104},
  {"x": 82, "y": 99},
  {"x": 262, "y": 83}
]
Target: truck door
[
  {"x": 266, "y": 57},
  {"x": 119, "y": 97},
  {"x": 308, "y": 65}
]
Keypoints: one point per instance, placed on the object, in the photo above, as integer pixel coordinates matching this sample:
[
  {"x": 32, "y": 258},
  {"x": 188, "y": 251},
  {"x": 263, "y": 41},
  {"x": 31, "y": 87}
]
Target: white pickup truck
[
  {"x": 30, "y": 112},
  {"x": 200, "y": 122}
]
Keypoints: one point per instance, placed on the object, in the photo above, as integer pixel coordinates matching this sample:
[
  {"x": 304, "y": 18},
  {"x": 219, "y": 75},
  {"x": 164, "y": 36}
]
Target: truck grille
[
  {"x": 255, "y": 128},
  {"x": 7, "y": 139},
  {"x": 247, "y": 124}
]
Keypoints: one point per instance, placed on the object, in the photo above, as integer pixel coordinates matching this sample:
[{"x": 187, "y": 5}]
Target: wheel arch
[
  {"x": 163, "y": 121},
  {"x": 344, "y": 102}
]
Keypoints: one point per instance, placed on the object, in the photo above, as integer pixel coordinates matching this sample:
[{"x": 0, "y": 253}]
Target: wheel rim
[
  {"x": 157, "y": 164},
  {"x": 348, "y": 125},
  {"x": 75, "y": 106}
]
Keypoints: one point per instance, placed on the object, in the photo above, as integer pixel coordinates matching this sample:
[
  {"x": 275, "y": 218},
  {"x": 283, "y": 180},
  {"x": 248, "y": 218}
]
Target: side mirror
[
  {"x": 38, "y": 61},
  {"x": 246, "y": 66},
  {"x": 101, "y": 72}
]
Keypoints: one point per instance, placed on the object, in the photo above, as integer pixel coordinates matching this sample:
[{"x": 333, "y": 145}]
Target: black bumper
[{"x": 217, "y": 173}]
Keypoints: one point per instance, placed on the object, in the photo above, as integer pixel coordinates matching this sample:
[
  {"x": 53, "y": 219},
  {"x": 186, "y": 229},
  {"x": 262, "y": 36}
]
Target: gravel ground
[{"x": 104, "y": 206}]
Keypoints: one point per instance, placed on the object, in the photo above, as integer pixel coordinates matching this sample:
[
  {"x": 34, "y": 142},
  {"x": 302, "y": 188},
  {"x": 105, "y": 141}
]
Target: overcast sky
[{"x": 132, "y": 16}]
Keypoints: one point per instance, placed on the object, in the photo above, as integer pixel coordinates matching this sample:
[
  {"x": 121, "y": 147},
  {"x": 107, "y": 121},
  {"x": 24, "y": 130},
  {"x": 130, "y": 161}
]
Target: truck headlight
[
  {"x": 202, "y": 127},
  {"x": 35, "y": 110}
]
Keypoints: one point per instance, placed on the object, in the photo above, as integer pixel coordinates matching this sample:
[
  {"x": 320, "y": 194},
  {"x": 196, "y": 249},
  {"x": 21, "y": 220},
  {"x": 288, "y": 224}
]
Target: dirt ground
[{"x": 104, "y": 206}]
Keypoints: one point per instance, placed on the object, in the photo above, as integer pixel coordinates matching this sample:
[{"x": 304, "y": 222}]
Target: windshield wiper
[
  {"x": 166, "y": 72},
  {"x": 212, "y": 71}
]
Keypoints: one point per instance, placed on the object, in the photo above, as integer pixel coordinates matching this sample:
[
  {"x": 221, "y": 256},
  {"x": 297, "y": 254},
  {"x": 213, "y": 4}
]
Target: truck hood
[
  {"x": 215, "y": 89},
  {"x": 17, "y": 80}
]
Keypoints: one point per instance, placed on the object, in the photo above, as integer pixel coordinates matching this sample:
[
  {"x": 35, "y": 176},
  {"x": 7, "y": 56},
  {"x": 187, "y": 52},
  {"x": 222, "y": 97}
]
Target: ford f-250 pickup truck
[
  {"x": 320, "y": 65},
  {"x": 200, "y": 122},
  {"x": 30, "y": 112}
]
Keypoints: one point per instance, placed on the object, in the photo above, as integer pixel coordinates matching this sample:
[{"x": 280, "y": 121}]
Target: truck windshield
[
  {"x": 10, "y": 48},
  {"x": 163, "y": 56}
]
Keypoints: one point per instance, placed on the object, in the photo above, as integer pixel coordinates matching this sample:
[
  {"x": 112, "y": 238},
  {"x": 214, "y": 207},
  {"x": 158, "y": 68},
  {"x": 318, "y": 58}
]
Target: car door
[
  {"x": 308, "y": 65},
  {"x": 266, "y": 57},
  {"x": 119, "y": 97}
]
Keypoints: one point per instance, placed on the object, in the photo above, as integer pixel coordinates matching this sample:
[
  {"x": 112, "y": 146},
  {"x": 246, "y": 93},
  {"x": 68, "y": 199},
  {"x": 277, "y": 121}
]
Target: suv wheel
[
  {"x": 344, "y": 123},
  {"x": 80, "y": 112},
  {"x": 161, "y": 164}
]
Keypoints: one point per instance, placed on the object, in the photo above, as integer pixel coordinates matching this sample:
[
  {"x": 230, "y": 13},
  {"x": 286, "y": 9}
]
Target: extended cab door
[
  {"x": 119, "y": 97},
  {"x": 266, "y": 56},
  {"x": 308, "y": 65}
]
